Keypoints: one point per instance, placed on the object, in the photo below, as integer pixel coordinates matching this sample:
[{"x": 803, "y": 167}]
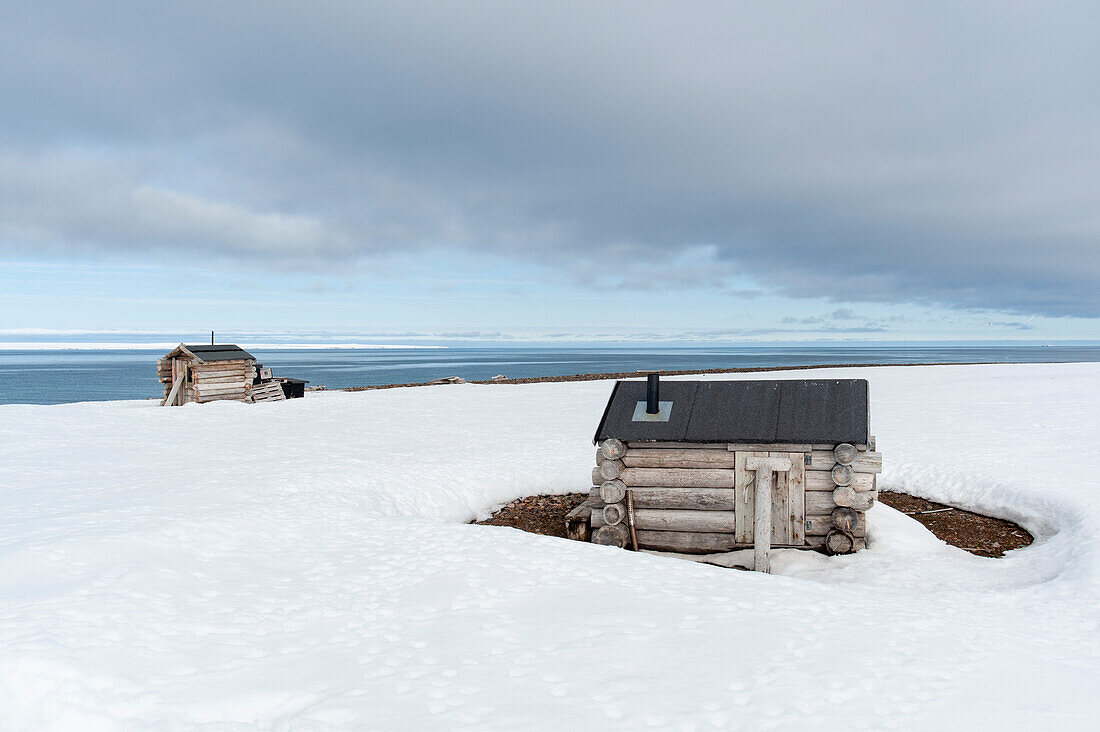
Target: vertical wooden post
[
  {"x": 762, "y": 521},
  {"x": 765, "y": 469}
]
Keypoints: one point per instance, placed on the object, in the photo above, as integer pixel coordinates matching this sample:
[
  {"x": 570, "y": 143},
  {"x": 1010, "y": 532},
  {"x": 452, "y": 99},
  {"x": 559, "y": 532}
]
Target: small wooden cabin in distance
[
  {"x": 208, "y": 373},
  {"x": 700, "y": 467}
]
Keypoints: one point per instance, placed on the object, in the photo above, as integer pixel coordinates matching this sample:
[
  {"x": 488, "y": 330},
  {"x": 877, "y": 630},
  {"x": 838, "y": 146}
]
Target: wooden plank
[
  {"x": 200, "y": 373},
  {"x": 822, "y": 460},
  {"x": 676, "y": 445},
  {"x": 868, "y": 462},
  {"x": 673, "y": 520},
  {"x": 822, "y": 480},
  {"x": 796, "y": 499},
  {"x": 208, "y": 375},
  {"x": 172, "y": 395},
  {"x": 241, "y": 363},
  {"x": 819, "y": 503},
  {"x": 695, "y": 499},
  {"x": 762, "y": 538},
  {"x": 576, "y": 522},
  {"x": 676, "y": 477},
  {"x": 215, "y": 368},
  {"x": 216, "y": 392},
  {"x": 744, "y": 499},
  {"x": 221, "y": 381},
  {"x": 220, "y": 398},
  {"x": 766, "y": 469},
  {"x": 768, "y": 447},
  {"x": 270, "y": 391},
  {"x": 582, "y": 511},
  {"x": 686, "y": 542},
  {"x": 219, "y": 388},
  {"x": 211, "y": 378},
  {"x": 679, "y": 458},
  {"x": 177, "y": 373},
  {"x": 780, "y": 517}
]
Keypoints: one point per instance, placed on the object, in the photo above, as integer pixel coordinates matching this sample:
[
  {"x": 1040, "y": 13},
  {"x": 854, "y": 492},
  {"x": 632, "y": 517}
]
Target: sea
[{"x": 59, "y": 376}]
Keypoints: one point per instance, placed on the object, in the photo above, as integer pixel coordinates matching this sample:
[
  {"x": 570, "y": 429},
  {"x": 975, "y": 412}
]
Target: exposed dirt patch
[
  {"x": 977, "y": 534},
  {"x": 537, "y": 514},
  {"x": 982, "y": 535}
]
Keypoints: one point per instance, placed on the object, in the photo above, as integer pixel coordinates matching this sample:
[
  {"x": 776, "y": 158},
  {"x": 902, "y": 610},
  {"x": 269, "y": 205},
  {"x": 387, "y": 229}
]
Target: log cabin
[
  {"x": 207, "y": 373},
  {"x": 703, "y": 467}
]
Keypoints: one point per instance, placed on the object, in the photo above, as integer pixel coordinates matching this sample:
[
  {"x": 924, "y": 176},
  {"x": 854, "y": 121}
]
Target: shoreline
[{"x": 678, "y": 372}]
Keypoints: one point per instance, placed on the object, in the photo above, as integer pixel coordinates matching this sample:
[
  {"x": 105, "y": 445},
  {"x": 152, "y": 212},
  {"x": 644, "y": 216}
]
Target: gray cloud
[{"x": 934, "y": 153}]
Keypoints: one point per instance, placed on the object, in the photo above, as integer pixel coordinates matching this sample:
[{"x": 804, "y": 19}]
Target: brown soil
[
  {"x": 982, "y": 535},
  {"x": 977, "y": 534},
  {"x": 537, "y": 514}
]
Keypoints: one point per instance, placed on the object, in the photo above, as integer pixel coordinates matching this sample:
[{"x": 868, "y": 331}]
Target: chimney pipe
[{"x": 653, "y": 394}]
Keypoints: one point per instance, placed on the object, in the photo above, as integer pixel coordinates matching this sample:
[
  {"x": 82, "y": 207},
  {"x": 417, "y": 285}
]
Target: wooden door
[{"x": 788, "y": 500}]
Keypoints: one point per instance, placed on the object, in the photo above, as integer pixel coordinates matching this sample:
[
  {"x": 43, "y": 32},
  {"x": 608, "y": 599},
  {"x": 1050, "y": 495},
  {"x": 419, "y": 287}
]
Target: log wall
[
  {"x": 698, "y": 498},
  {"x": 205, "y": 382}
]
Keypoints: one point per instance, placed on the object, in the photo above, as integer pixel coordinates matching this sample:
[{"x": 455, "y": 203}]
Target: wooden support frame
[
  {"x": 170, "y": 400},
  {"x": 765, "y": 469}
]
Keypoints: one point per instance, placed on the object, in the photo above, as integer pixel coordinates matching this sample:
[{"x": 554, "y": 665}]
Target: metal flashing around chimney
[{"x": 642, "y": 413}]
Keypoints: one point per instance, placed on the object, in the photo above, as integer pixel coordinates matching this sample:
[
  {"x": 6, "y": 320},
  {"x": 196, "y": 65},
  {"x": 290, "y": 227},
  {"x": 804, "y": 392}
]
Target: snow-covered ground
[{"x": 307, "y": 565}]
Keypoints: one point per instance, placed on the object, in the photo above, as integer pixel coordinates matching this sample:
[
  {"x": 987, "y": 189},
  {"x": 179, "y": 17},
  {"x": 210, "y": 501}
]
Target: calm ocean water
[{"x": 51, "y": 377}]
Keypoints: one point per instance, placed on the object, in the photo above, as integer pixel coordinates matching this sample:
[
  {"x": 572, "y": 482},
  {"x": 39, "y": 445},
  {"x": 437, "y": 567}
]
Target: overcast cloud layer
[{"x": 868, "y": 151}]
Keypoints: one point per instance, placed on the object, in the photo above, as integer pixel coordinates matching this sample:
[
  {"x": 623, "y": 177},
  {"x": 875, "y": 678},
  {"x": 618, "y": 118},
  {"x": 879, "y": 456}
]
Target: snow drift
[{"x": 307, "y": 565}]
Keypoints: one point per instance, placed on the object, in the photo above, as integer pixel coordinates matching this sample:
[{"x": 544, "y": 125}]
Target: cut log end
[
  {"x": 611, "y": 469},
  {"x": 845, "y": 453},
  {"x": 845, "y": 519},
  {"x": 612, "y": 491},
  {"x": 612, "y": 449},
  {"x": 839, "y": 542},
  {"x": 848, "y": 497},
  {"x": 842, "y": 474},
  {"x": 611, "y": 536},
  {"x": 614, "y": 513}
]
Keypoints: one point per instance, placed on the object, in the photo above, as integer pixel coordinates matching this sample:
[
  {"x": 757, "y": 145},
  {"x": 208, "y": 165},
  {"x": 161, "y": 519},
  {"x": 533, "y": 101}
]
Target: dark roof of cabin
[
  {"x": 224, "y": 352},
  {"x": 802, "y": 411}
]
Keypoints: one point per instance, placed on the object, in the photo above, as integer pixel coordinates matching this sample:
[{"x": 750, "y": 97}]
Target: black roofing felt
[
  {"x": 224, "y": 352},
  {"x": 805, "y": 411},
  {"x": 627, "y": 394}
]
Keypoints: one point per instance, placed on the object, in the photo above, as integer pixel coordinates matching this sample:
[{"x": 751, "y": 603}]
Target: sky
[{"x": 495, "y": 172}]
